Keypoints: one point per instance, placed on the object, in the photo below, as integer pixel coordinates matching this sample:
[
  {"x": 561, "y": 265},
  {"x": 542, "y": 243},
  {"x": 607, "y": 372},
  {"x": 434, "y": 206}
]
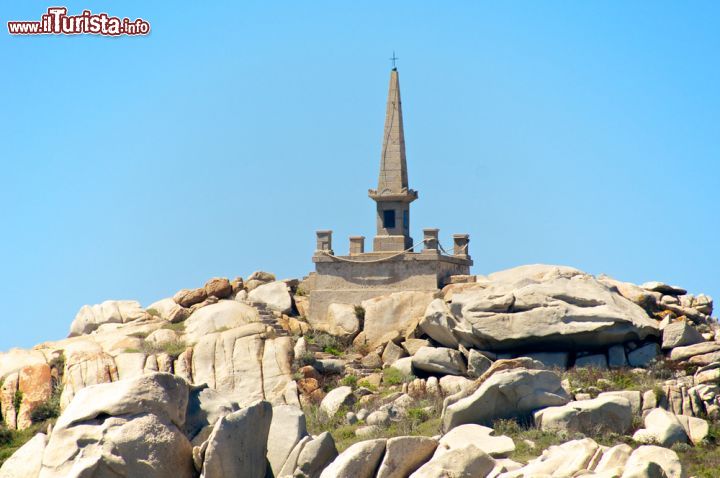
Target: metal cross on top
[{"x": 394, "y": 59}]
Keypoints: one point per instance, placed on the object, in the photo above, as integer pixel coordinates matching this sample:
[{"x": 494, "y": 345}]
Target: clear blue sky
[{"x": 577, "y": 133}]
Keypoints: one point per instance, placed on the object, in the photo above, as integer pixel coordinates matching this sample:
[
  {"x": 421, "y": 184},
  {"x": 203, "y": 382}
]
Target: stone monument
[{"x": 393, "y": 265}]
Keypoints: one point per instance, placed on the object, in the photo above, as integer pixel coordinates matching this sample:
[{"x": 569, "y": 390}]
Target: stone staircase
[{"x": 268, "y": 317}]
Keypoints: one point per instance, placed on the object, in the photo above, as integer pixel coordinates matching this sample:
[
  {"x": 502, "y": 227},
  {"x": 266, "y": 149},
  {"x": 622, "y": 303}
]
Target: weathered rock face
[
  {"x": 439, "y": 360},
  {"x": 27, "y": 461},
  {"x": 334, "y": 400},
  {"x": 312, "y": 458},
  {"x": 467, "y": 461},
  {"x": 238, "y": 444},
  {"x": 480, "y": 436},
  {"x": 561, "y": 460},
  {"x": 404, "y": 455},
  {"x": 275, "y": 295},
  {"x": 549, "y": 306},
  {"x": 190, "y": 297},
  {"x": 244, "y": 364},
  {"x": 127, "y": 429},
  {"x": 86, "y": 364},
  {"x": 665, "y": 458},
  {"x": 608, "y": 414},
  {"x": 662, "y": 428},
  {"x": 169, "y": 310},
  {"x": 341, "y": 321},
  {"x": 90, "y": 317},
  {"x": 226, "y": 314},
  {"x": 679, "y": 334},
  {"x": 506, "y": 394},
  {"x": 394, "y": 316},
  {"x": 36, "y": 388},
  {"x": 358, "y": 461},
  {"x": 219, "y": 287},
  {"x": 286, "y": 430}
]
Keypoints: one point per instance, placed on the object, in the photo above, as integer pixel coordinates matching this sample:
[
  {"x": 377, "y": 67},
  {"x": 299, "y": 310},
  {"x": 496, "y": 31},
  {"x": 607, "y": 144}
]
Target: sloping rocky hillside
[{"x": 537, "y": 371}]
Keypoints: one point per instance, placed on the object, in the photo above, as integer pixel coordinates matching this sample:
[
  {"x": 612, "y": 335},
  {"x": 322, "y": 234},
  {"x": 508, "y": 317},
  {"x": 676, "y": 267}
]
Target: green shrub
[
  {"x": 6, "y": 436},
  {"x": 350, "y": 381},
  {"x": 326, "y": 342},
  {"x": 47, "y": 410},
  {"x": 368, "y": 385},
  {"x": 393, "y": 376},
  {"x": 153, "y": 312},
  {"x": 177, "y": 327},
  {"x": 307, "y": 358},
  {"x": 17, "y": 400}
]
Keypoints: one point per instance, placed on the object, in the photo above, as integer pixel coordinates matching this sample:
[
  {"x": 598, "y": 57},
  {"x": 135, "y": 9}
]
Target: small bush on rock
[
  {"x": 393, "y": 376},
  {"x": 350, "y": 381}
]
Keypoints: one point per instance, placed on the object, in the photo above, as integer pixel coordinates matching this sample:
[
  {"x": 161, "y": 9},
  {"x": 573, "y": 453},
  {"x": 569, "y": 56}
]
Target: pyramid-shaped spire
[{"x": 393, "y": 164}]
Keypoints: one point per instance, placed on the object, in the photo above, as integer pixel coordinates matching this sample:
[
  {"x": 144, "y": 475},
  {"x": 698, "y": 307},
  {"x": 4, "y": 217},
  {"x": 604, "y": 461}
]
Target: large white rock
[
  {"x": 632, "y": 396},
  {"x": 226, "y": 314},
  {"x": 696, "y": 429},
  {"x": 358, "y": 461},
  {"x": 126, "y": 429},
  {"x": 439, "y": 360},
  {"x": 276, "y": 295},
  {"x": 245, "y": 364},
  {"x": 205, "y": 407},
  {"x": 315, "y": 456},
  {"x": 667, "y": 459},
  {"x": 684, "y": 353},
  {"x": 479, "y": 436},
  {"x": 341, "y": 321},
  {"x": 466, "y": 462},
  {"x": 680, "y": 334},
  {"x": 90, "y": 317},
  {"x": 286, "y": 430},
  {"x": 404, "y": 455},
  {"x": 440, "y": 325},
  {"x": 608, "y": 414},
  {"x": 26, "y": 462},
  {"x": 16, "y": 359},
  {"x": 661, "y": 427},
  {"x": 505, "y": 394},
  {"x": 643, "y": 356},
  {"x": 238, "y": 443},
  {"x": 169, "y": 310},
  {"x": 334, "y": 400},
  {"x": 559, "y": 461},
  {"x": 393, "y": 316},
  {"x": 550, "y": 307},
  {"x": 613, "y": 459}
]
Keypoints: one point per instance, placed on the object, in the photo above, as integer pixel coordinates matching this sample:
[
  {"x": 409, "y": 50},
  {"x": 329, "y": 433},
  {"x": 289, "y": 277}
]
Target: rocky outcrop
[
  {"x": 276, "y": 295},
  {"x": 26, "y": 462},
  {"x": 238, "y": 444},
  {"x": 90, "y": 317},
  {"x": 360, "y": 460},
  {"x": 404, "y": 455},
  {"x": 245, "y": 363},
  {"x": 608, "y": 414},
  {"x": 549, "y": 307},
  {"x": 506, "y": 394},
  {"x": 466, "y": 461},
  {"x": 226, "y": 314},
  {"x": 128, "y": 428},
  {"x": 288, "y": 427},
  {"x": 392, "y": 317},
  {"x": 341, "y": 321}
]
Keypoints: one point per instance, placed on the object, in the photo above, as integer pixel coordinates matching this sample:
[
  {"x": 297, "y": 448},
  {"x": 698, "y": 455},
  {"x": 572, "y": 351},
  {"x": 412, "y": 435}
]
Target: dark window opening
[
  {"x": 389, "y": 219},
  {"x": 406, "y": 220}
]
